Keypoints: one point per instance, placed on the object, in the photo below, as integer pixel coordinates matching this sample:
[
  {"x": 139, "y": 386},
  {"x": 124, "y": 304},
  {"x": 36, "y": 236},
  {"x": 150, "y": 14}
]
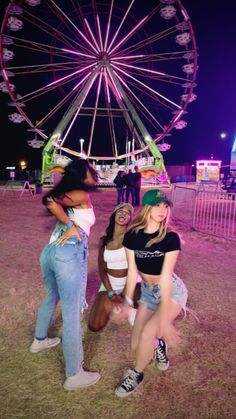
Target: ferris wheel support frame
[
  {"x": 145, "y": 134},
  {"x": 50, "y": 149}
]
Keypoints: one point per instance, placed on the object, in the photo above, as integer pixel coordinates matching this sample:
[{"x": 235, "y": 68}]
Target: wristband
[
  {"x": 70, "y": 224},
  {"x": 110, "y": 293},
  {"x": 129, "y": 301}
]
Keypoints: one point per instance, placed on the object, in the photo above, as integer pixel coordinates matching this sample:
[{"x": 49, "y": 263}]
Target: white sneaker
[
  {"x": 82, "y": 379},
  {"x": 40, "y": 345}
]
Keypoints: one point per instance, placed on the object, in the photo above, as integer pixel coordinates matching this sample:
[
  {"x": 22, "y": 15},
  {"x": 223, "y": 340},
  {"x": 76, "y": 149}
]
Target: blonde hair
[{"x": 141, "y": 220}]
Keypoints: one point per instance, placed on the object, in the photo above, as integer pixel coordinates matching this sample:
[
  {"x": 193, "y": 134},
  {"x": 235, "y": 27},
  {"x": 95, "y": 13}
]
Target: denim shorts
[{"x": 151, "y": 294}]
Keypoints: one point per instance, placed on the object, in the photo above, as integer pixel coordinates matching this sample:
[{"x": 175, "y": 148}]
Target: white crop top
[
  {"x": 83, "y": 217},
  {"x": 115, "y": 259}
]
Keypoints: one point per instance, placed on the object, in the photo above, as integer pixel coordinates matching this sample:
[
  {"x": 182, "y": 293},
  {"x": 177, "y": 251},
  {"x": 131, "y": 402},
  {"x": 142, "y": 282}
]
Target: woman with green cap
[{"x": 152, "y": 250}]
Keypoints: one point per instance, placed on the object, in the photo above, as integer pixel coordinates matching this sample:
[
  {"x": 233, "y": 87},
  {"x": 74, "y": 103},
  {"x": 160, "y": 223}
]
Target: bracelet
[
  {"x": 129, "y": 301},
  {"x": 110, "y": 293},
  {"x": 70, "y": 224}
]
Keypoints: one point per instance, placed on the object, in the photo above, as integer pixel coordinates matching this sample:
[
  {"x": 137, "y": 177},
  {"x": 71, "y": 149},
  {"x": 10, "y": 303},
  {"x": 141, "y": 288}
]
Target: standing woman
[
  {"x": 152, "y": 250},
  {"x": 113, "y": 268},
  {"x": 64, "y": 269}
]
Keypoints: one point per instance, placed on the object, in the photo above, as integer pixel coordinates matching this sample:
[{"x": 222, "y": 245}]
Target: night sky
[{"x": 214, "y": 110}]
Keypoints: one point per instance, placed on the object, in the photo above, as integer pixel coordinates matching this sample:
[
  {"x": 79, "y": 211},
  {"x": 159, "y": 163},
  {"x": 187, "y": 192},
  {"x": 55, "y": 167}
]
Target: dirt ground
[{"x": 200, "y": 382}]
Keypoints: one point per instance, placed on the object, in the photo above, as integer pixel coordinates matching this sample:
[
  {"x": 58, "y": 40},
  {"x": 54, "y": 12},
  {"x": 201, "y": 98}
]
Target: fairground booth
[{"x": 208, "y": 170}]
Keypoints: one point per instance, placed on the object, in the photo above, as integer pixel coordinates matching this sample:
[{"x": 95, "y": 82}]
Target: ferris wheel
[{"x": 116, "y": 76}]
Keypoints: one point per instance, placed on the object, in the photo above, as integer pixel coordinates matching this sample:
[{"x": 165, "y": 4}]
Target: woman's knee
[{"x": 147, "y": 335}]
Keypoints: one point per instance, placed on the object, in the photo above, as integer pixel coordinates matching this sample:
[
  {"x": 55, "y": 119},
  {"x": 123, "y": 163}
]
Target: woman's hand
[
  {"x": 170, "y": 334},
  {"x": 70, "y": 232}
]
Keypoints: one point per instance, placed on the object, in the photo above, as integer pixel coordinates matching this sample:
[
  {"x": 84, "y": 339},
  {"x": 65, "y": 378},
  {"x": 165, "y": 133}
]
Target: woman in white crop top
[
  {"x": 64, "y": 269},
  {"x": 113, "y": 267}
]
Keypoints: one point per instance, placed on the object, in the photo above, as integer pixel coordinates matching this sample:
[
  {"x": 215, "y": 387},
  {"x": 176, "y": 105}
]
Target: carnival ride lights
[{"x": 107, "y": 63}]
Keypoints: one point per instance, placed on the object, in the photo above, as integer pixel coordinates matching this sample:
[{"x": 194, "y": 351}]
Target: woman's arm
[
  {"x": 131, "y": 276},
  {"x": 102, "y": 266},
  {"x": 72, "y": 199}
]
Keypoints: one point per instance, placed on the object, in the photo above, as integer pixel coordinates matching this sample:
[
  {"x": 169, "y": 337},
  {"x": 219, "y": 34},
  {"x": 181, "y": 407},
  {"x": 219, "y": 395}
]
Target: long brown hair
[{"x": 141, "y": 220}]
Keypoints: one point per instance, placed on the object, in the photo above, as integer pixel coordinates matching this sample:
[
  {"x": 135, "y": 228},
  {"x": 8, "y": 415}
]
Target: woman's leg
[
  {"x": 49, "y": 303},
  {"x": 148, "y": 335},
  {"x": 142, "y": 316},
  {"x": 100, "y": 312},
  {"x": 70, "y": 269}
]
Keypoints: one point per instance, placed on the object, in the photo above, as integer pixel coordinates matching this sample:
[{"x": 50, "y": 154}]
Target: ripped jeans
[{"x": 64, "y": 270}]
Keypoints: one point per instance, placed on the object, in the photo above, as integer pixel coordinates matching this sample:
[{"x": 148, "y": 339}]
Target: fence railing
[{"x": 206, "y": 211}]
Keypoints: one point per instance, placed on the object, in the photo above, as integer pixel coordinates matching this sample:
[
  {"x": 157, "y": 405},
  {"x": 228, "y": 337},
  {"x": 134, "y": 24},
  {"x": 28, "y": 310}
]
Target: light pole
[{"x": 81, "y": 145}]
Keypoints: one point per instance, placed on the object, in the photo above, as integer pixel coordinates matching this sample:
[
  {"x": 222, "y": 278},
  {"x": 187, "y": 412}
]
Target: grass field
[{"x": 200, "y": 381}]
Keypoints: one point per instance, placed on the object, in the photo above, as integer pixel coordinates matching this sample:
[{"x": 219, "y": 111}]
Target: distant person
[
  {"x": 137, "y": 186},
  {"x": 129, "y": 183},
  {"x": 120, "y": 186},
  {"x": 64, "y": 269},
  {"x": 113, "y": 267}
]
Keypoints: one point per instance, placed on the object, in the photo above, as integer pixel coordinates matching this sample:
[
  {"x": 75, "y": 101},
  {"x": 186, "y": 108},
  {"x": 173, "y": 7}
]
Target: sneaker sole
[
  {"x": 122, "y": 395},
  {"x": 35, "y": 351},
  {"x": 162, "y": 368},
  {"x": 81, "y": 386}
]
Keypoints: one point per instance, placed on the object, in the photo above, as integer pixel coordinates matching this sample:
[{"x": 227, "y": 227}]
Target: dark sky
[{"x": 213, "y": 112}]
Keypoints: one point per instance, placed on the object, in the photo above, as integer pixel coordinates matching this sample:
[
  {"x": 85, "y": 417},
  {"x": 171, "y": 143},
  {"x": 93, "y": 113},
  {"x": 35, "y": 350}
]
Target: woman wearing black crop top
[{"x": 152, "y": 250}]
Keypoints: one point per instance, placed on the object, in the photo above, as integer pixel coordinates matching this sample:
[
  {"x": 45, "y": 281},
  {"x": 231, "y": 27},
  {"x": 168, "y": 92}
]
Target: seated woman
[{"x": 113, "y": 267}]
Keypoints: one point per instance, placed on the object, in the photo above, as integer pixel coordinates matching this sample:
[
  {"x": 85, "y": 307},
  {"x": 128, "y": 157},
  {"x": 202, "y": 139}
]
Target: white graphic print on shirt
[{"x": 147, "y": 254}]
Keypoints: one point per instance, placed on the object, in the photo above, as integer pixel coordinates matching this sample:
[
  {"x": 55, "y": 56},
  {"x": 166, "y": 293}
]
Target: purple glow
[
  {"x": 99, "y": 33},
  {"x": 128, "y": 88},
  {"x": 128, "y": 35},
  {"x": 81, "y": 81},
  {"x": 108, "y": 25},
  {"x": 92, "y": 35},
  {"x": 127, "y": 57},
  {"x": 178, "y": 116},
  {"x": 147, "y": 87},
  {"x": 78, "y": 53},
  {"x": 138, "y": 68},
  {"x": 118, "y": 30},
  {"x": 107, "y": 87},
  {"x": 95, "y": 113},
  {"x": 78, "y": 110},
  {"x": 70, "y": 75},
  {"x": 114, "y": 84}
]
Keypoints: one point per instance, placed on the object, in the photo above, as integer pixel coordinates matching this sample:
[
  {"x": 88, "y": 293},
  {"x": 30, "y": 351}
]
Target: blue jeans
[{"x": 64, "y": 270}]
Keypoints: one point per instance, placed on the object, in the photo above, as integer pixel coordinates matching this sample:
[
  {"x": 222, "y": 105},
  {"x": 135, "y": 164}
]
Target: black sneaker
[
  {"x": 160, "y": 356},
  {"x": 129, "y": 384}
]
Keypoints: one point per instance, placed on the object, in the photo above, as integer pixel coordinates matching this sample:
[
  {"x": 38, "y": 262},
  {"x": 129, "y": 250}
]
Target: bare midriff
[
  {"x": 150, "y": 279},
  {"x": 117, "y": 273}
]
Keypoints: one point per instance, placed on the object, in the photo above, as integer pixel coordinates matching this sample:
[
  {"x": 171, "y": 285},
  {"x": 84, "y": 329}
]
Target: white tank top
[
  {"x": 83, "y": 217},
  {"x": 115, "y": 259}
]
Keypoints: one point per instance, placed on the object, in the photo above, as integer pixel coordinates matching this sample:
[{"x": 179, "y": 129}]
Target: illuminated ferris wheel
[{"x": 119, "y": 74}]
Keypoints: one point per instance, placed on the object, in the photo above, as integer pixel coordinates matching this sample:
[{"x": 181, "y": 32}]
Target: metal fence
[{"x": 206, "y": 211}]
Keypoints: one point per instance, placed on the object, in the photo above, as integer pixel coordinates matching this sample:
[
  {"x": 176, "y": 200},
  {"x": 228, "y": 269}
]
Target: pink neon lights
[{"x": 147, "y": 87}]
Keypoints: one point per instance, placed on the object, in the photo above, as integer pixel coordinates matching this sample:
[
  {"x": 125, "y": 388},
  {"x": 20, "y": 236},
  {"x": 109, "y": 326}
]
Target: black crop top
[{"x": 149, "y": 260}]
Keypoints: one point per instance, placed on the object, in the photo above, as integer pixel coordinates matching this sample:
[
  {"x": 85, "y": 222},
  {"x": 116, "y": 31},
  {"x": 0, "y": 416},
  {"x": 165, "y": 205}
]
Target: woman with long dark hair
[
  {"x": 64, "y": 269},
  {"x": 113, "y": 268}
]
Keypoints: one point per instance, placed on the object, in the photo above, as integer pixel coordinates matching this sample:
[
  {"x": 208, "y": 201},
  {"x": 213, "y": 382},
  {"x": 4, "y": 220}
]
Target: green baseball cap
[{"x": 155, "y": 196}]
